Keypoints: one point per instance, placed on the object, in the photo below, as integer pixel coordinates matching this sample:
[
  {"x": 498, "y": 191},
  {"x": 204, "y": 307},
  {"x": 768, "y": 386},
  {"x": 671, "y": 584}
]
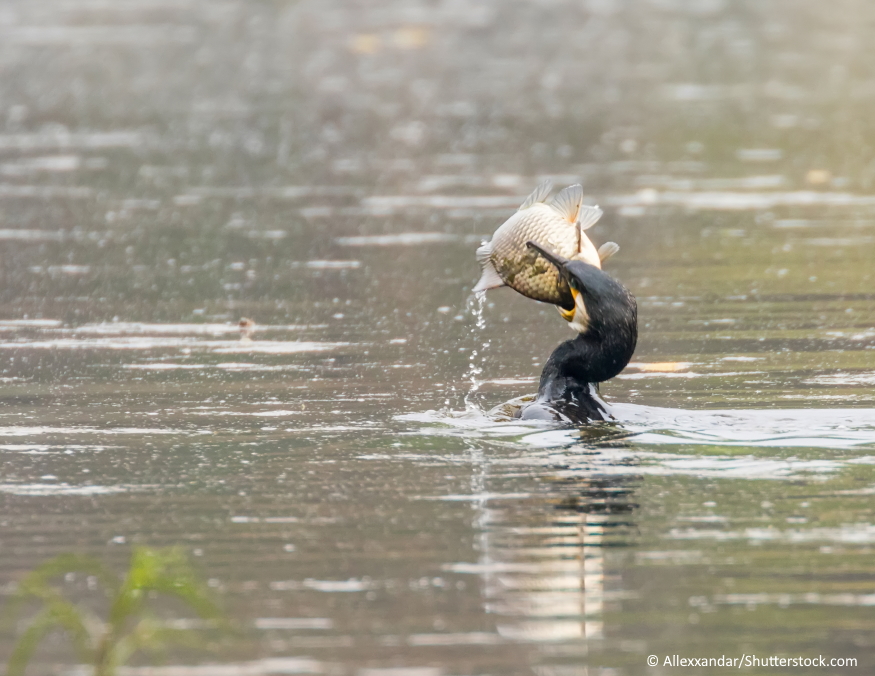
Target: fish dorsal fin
[
  {"x": 489, "y": 279},
  {"x": 607, "y": 250},
  {"x": 539, "y": 194},
  {"x": 588, "y": 216},
  {"x": 568, "y": 202}
]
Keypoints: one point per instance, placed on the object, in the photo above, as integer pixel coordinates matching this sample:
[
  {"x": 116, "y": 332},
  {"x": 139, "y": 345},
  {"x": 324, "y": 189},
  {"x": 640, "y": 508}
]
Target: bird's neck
[
  {"x": 569, "y": 384},
  {"x": 589, "y": 358}
]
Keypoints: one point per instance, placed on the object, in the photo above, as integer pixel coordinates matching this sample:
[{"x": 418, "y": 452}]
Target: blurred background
[{"x": 327, "y": 169}]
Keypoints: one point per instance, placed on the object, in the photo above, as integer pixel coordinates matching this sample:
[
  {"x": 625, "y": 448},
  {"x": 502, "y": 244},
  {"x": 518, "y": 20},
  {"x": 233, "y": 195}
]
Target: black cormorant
[{"x": 605, "y": 315}]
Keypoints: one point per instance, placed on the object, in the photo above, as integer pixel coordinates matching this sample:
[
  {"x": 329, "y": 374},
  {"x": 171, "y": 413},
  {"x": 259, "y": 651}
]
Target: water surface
[{"x": 327, "y": 170}]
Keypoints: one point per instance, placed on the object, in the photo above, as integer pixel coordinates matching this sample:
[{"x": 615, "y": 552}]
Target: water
[
  {"x": 327, "y": 170},
  {"x": 476, "y": 306}
]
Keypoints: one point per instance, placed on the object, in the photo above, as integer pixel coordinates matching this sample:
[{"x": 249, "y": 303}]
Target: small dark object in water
[
  {"x": 606, "y": 315},
  {"x": 247, "y": 328}
]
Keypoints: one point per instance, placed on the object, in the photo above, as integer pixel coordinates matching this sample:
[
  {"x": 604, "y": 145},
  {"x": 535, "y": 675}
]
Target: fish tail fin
[
  {"x": 588, "y": 216},
  {"x": 539, "y": 194},
  {"x": 490, "y": 278},
  {"x": 607, "y": 250},
  {"x": 568, "y": 202}
]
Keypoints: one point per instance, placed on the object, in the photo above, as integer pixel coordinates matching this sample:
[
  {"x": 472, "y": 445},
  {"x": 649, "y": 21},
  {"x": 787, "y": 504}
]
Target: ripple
[
  {"x": 16, "y": 324},
  {"x": 858, "y": 534},
  {"x": 269, "y": 666},
  {"x": 145, "y": 328},
  {"x": 152, "y": 343},
  {"x": 471, "y": 638},
  {"x": 128, "y": 35},
  {"x": 811, "y": 598},
  {"x": 63, "y": 489},
  {"x": 39, "y": 430},
  {"x": 649, "y": 425},
  {"x": 47, "y": 449},
  {"x": 739, "y": 201},
  {"x": 45, "y": 191},
  {"x": 71, "y": 140},
  {"x": 400, "y": 239},
  {"x": 633, "y": 446},
  {"x": 234, "y": 367},
  {"x": 293, "y": 623},
  {"x": 333, "y": 265},
  {"x": 329, "y": 586}
]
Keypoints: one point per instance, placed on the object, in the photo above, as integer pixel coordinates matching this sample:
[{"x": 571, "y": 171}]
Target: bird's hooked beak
[{"x": 561, "y": 262}]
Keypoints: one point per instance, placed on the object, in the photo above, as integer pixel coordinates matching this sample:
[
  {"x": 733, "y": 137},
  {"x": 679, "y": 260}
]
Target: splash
[{"x": 476, "y": 306}]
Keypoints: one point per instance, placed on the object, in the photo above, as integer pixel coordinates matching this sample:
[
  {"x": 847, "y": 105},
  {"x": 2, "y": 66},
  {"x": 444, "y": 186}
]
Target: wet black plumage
[{"x": 569, "y": 380}]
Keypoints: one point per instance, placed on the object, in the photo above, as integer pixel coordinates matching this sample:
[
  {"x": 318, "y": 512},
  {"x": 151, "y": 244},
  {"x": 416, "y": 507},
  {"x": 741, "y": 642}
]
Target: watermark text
[{"x": 750, "y": 661}]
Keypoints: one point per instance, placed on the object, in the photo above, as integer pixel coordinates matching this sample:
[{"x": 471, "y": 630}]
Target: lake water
[{"x": 327, "y": 169}]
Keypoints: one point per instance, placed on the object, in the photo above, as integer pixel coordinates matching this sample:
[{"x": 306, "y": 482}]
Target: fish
[{"x": 560, "y": 224}]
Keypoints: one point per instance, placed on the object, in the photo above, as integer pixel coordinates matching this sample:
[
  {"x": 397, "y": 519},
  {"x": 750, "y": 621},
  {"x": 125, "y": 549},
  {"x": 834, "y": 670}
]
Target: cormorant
[{"x": 605, "y": 315}]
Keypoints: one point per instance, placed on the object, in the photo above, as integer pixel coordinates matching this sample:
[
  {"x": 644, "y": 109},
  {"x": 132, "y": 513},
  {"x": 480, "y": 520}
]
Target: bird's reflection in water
[{"x": 543, "y": 559}]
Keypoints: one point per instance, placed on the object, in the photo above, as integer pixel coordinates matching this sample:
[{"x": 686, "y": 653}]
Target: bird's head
[{"x": 601, "y": 304}]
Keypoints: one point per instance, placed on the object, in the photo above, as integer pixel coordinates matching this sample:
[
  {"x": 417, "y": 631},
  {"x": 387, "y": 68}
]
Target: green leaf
[{"x": 129, "y": 628}]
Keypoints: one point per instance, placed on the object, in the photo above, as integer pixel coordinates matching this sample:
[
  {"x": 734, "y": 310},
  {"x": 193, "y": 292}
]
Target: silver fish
[{"x": 559, "y": 225}]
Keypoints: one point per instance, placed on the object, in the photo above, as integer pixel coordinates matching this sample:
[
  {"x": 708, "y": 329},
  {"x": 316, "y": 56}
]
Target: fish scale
[
  {"x": 523, "y": 269},
  {"x": 506, "y": 260}
]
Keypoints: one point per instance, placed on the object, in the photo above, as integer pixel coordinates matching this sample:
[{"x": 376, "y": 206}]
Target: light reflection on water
[{"x": 327, "y": 170}]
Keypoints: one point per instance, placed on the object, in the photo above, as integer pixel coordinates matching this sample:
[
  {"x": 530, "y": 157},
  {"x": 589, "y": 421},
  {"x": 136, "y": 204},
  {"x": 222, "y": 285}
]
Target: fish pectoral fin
[
  {"x": 607, "y": 250},
  {"x": 483, "y": 253},
  {"x": 588, "y": 216},
  {"x": 567, "y": 202},
  {"x": 538, "y": 195},
  {"x": 490, "y": 278}
]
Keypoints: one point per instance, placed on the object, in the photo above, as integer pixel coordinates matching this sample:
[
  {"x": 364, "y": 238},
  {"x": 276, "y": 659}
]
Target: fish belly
[
  {"x": 525, "y": 270},
  {"x": 588, "y": 253}
]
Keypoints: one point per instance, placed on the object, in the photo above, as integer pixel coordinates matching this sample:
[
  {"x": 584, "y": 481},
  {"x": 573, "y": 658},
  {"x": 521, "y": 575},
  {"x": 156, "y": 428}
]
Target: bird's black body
[{"x": 569, "y": 382}]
